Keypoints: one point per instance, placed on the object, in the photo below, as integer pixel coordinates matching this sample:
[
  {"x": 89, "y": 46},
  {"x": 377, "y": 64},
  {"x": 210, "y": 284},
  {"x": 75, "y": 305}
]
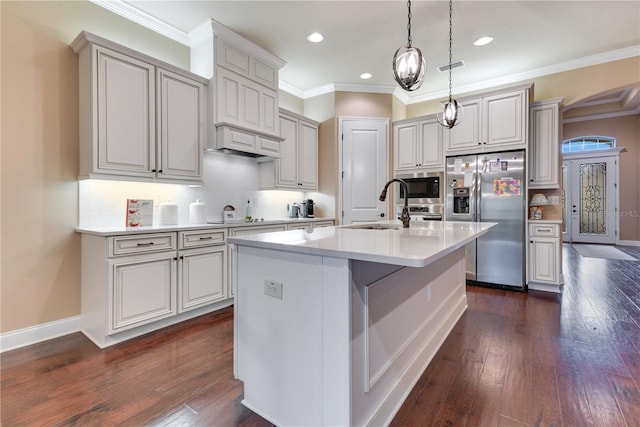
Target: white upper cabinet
[
  {"x": 494, "y": 122},
  {"x": 139, "y": 118},
  {"x": 181, "y": 126},
  {"x": 244, "y": 89},
  {"x": 544, "y": 146},
  {"x": 308, "y": 155},
  {"x": 297, "y": 166},
  {"x": 418, "y": 145},
  {"x": 125, "y": 98}
]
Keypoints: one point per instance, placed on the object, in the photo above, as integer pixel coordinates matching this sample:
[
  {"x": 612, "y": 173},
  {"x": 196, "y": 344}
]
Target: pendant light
[
  {"x": 408, "y": 63},
  {"x": 453, "y": 112}
]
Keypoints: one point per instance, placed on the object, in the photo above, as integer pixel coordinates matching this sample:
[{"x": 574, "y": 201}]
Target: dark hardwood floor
[{"x": 514, "y": 359}]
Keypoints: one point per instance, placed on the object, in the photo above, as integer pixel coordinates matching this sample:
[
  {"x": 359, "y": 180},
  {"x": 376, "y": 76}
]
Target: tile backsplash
[{"x": 228, "y": 180}]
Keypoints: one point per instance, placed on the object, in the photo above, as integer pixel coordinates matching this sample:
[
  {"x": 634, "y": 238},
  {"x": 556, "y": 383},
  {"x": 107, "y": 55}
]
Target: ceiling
[{"x": 531, "y": 38}]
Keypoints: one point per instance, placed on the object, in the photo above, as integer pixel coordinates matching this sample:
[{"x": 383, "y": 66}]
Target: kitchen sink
[{"x": 374, "y": 226}]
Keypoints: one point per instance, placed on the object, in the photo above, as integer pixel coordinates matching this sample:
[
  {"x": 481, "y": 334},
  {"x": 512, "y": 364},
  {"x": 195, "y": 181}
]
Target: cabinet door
[
  {"x": 181, "y": 128},
  {"x": 544, "y": 147},
  {"x": 505, "y": 120},
  {"x": 465, "y": 135},
  {"x": 430, "y": 154},
  {"x": 544, "y": 260},
  {"x": 308, "y": 155},
  {"x": 203, "y": 277},
  {"x": 286, "y": 166},
  {"x": 406, "y": 142},
  {"x": 245, "y": 103},
  {"x": 142, "y": 290},
  {"x": 125, "y": 114}
]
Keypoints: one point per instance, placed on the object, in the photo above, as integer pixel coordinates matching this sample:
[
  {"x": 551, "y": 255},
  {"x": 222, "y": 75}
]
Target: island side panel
[
  {"x": 279, "y": 338},
  {"x": 336, "y": 342},
  {"x": 399, "y": 322}
]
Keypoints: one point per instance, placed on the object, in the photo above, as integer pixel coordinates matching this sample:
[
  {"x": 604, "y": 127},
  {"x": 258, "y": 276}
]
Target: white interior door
[
  {"x": 590, "y": 200},
  {"x": 364, "y": 168}
]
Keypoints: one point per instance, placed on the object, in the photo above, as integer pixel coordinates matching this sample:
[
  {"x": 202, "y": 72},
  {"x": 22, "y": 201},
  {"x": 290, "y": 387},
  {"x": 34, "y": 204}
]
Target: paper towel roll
[
  {"x": 168, "y": 213},
  {"x": 197, "y": 212}
]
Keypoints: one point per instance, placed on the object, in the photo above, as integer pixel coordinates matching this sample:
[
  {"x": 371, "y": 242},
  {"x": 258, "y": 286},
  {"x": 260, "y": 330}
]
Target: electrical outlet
[
  {"x": 273, "y": 288},
  {"x": 256, "y": 201}
]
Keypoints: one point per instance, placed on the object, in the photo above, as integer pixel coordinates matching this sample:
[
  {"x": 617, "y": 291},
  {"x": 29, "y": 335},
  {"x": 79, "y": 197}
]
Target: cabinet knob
[
  {"x": 160, "y": 171},
  {"x": 153, "y": 170},
  {"x": 181, "y": 256}
]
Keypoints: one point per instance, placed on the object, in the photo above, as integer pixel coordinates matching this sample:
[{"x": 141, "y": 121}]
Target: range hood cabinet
[{"x": 242, "y": 91}]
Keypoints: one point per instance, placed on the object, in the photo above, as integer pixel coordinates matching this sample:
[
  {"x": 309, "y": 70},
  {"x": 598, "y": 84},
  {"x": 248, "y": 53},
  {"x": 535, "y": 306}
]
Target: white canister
[
  {"x": 168, "y": 213},
  {"x": 197, "y": 212}
]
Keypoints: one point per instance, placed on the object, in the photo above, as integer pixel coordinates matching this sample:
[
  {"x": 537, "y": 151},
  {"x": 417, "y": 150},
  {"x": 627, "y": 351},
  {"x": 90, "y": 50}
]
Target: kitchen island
[{"x": 335, "y": 326}]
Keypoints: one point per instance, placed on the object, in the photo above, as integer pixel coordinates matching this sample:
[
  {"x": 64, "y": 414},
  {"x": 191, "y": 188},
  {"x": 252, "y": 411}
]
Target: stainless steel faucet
[{"x": 404, "y": 217}]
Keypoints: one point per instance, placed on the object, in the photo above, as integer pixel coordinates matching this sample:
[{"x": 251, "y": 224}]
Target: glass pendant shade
[{"x": 408, "y": 67}]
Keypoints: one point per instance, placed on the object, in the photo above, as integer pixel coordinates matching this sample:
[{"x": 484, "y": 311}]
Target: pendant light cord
[
  {"x": 450, "y": 43},
  {"x": 409, "y": 23}
]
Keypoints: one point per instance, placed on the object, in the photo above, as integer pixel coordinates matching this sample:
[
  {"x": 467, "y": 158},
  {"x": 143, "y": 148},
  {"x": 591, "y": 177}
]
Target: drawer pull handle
[
  {"x": 206, "y": 238},
  {"x": 145, "y": 244},
  {"x": 544, "y": 230}
]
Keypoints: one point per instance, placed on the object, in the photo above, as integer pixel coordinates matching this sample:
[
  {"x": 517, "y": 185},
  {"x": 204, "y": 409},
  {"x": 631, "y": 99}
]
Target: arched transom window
[{"x": 588, "y": 143}]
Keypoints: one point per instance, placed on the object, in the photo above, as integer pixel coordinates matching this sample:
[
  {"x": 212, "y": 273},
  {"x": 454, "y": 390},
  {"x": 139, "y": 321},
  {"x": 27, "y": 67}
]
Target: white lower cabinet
[
  {"x": 202, "y": 271},
  {"x": 143, "y": 290},
  {"x": 134, "y": 284},
  {"x": 545, "y": 257}
]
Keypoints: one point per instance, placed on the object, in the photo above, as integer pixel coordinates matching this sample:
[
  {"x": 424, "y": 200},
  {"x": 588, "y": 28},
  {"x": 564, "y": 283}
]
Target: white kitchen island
[{"x": 334, "y": 327}]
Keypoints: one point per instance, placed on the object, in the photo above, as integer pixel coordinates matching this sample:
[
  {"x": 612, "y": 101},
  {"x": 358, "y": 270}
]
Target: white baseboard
[
  {"x": 34, "y": 334},
  {"x": 629, "y": 243}
]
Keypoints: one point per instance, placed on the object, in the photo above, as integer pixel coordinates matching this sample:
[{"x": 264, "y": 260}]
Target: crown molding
[
  {"x": 602, "y": 116},
  {"x": 139, "y": 17},
  {"x": 286, "y": 87}
]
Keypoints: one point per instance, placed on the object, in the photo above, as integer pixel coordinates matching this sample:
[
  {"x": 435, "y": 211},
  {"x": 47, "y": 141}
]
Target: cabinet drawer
[
  {"x": 323, "y": 224},
  {"x": 299, "y": 226},
  {"x": 141, "y": 243},
  {"x": 544, "y": 230},
  {"x": 199, "y": 238},
  {"x": 245, "y": 231}
]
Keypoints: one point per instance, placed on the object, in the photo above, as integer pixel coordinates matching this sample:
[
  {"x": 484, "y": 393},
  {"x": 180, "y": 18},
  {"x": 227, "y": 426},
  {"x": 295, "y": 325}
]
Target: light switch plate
[{"x": 273, "y": 288}]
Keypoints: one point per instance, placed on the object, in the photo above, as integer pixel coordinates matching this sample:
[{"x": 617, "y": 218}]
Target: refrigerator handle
[{"x": 478, "y": 215}]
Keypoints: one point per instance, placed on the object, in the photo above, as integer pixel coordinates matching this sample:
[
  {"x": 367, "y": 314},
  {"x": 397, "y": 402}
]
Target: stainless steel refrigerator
[{"x": 491, "y": 187}]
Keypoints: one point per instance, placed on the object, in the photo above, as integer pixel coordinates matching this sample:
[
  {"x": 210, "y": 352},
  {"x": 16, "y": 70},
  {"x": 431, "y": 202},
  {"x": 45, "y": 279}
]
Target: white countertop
[
  {"x": 122, "y": 230},
  {"x": 417, "y": 246}
]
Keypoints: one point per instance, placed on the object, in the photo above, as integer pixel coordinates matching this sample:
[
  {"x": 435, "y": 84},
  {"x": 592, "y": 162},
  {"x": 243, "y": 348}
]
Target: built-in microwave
[{"x": 424, "y": 188}]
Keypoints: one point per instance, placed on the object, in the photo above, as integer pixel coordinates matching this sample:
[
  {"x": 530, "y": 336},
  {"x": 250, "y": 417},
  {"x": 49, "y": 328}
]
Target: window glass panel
[
  {"x": 593, "y": 200},
  {"x": 588, "y": 143}
]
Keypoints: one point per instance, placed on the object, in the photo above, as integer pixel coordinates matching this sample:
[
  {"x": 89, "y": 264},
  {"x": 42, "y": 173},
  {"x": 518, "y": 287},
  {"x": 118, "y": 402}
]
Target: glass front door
[{"x": 589, "y": 200}]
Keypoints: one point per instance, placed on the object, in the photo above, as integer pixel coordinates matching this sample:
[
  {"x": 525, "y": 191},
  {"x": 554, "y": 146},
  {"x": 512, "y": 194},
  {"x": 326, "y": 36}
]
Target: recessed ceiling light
[
  {"x": 365, "y": 76},
  {"x": 315, "y": 37},
  {"x": 483, "y": 41}
]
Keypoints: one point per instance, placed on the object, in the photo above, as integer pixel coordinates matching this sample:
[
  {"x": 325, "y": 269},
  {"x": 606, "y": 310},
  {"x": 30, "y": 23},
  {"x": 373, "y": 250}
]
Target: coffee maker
[{"x": 307, "y": 208}]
